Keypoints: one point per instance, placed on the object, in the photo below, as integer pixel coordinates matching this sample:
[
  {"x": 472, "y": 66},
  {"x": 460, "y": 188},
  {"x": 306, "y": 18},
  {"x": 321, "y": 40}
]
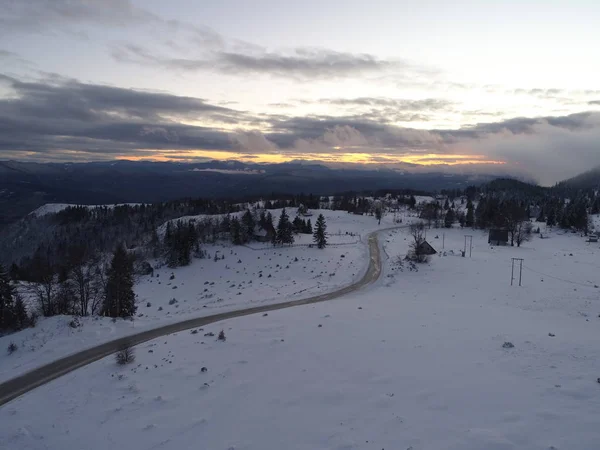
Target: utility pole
[
  {"x": 470, "y": 237},
  {"x": 443, "y": 241},
  {"x": 518, "y": 261}
]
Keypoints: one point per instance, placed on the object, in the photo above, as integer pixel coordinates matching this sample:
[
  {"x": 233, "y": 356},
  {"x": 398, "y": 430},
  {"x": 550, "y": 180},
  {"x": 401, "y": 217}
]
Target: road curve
[{"x": 18, "y": 386}]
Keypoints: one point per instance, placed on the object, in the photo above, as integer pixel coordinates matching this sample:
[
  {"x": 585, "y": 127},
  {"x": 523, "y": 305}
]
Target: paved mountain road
[{"x": 18, "y": 386}]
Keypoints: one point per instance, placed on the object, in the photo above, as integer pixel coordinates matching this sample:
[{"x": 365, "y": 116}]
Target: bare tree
[
  {"x": 512, "y": 217},
  {"x": 430, "y": 214},
  {"x": 45, "y": 287},
  {"x": 523, "y": 232},
  {"x": 85, "y": 280},
  {"x": 415, "y": 253}
]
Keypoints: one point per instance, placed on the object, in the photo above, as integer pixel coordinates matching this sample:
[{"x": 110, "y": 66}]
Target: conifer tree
[
  {"x": 7, "y": 303},
  {"x": 236, "y": 231},
  {"x": 470, "y": 219},
  {"x": 20, "y": 317},
  {"x": 320, "y": 234},
  {"x": 449, "y": 218},
  {"x": 248, "y": 225},
  {"x": 551, "y": 218},
  {"x": 284, "y": 229},
  {"x": 412, "y": 202},
  {"x": 309, "y": 228},
  {"x": 119, "y": 298}
]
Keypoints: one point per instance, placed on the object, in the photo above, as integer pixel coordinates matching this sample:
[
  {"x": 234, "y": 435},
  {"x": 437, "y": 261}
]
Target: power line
[{"x": 561, "y": 279}]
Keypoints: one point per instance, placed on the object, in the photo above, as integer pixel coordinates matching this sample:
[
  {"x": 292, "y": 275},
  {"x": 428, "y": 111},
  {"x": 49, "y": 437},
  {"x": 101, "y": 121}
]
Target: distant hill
[
  {"x": 25, "y": 186},
  {"x": 586, "y": 180},
  {"x": 514, "y": 186}
]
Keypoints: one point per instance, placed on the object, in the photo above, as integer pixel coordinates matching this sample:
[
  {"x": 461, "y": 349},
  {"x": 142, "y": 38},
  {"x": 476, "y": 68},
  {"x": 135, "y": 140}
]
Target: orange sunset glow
[{"x": 426, "y": 159}]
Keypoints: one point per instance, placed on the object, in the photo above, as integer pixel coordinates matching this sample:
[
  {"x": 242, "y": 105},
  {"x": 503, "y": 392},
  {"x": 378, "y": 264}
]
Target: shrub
[
  {"x": 125, "y": 356},
  {"x": 508, "y": 345},
  {"x": 75, "y": 323},
  {"x": 221, "y": 336},
  {"x": 12, "y": 347},
  {"x": 172, "y": 301}
]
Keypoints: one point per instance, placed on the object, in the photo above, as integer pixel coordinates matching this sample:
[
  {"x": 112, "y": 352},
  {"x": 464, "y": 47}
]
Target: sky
[{"x": 490, "y": 86}]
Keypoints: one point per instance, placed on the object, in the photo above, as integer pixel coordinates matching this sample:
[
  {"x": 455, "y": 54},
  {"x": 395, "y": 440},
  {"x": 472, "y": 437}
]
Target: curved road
[{"x": 18, "y": 386}]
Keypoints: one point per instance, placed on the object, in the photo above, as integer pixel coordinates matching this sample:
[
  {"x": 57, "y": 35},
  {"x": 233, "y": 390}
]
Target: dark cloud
[
  {"x": 44, "y": 15},
  {"x": 297, "y": 63},
  {"x": 71, "y": 115},
  {"x": 57, "y": 16},
  {"x": 64, "y": 119}
]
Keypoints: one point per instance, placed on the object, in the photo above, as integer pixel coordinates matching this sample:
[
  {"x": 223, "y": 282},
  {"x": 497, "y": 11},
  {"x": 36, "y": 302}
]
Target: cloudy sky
[{"x": 502, "y": 86}]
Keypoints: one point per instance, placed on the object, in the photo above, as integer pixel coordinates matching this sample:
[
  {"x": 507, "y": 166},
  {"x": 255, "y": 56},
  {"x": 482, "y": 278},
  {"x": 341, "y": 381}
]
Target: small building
[
  {"x": 593, "y": 238},
  {"x": 425, "y": 248},
  {"x": 264, "y": 235},
  {"x": 498, "y": 236}
]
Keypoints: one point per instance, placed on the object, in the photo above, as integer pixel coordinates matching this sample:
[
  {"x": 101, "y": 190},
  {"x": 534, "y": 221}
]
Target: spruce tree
[
  {"x": 235, "y": 231},
  {"x": 551, "y": 218},
  {"x": 20, "y": 317},
  {"x": 470, "y": 219},
  {"x": 119, "y": 298},
  {"x": 248, "y": 225},
  {"x": 309, "y": 228},
  {"x": 449, "y": 218},
  {"x": 7, "y": 304},
  {"x": 284, "y": 229},
  {"x": 320, "y": 234},
  {"x": 412, "y": 202}
]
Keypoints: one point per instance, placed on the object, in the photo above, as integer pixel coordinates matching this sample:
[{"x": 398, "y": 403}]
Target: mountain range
[{"x": 24, "y": 186}]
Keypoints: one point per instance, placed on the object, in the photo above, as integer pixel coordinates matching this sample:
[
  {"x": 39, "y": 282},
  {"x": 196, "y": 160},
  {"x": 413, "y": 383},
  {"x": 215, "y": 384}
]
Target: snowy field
[
  {"x": 248, "y": 276},
  {"x": 415, "y": 362}
]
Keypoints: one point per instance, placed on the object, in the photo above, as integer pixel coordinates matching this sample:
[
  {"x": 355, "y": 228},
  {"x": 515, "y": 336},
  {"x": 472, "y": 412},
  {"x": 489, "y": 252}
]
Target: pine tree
[
  {"x": 551, "y": 218},
  {"x": 235, "y": 231},
  {"x": 309, "y": 228},
  {"x": 470, "y": 219},
  {"x": 7, "y": 305},
  {"x": 248, "y": 225},
  {"x": 119, "y": 298},
  {"x": 284, "y": 229},
  {"x": 449, "y": 218},
  {"x": 541, "y": 216},
  {"x": 21, "y": 319},
  {"x": 412, "y": 202},
  {"x": 320, "y": 234},
  {"x": 262, "y": 220}
]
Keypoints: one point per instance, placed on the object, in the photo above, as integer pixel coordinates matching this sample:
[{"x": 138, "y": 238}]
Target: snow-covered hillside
[
  {"x": 247, "y": 276},
  {"x": 416, "y": 362}
]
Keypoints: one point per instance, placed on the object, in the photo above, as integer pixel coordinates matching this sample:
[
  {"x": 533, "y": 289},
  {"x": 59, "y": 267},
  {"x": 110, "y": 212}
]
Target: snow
[
  {"x": 415, "y": 361},
  {"x": 209, "y": 287}
]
